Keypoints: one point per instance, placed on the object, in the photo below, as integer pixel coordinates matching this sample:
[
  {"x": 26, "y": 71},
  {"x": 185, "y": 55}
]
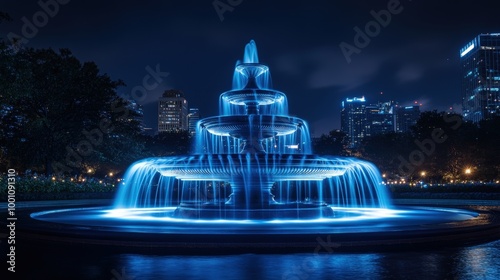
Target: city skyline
[
  {"x": 316, "y": 53},
  {"x": 361, "y": 118}
]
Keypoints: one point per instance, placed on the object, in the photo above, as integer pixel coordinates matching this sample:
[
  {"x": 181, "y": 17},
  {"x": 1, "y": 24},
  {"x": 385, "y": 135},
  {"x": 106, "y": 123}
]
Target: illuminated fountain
[
  {"x": 252, "y": 179},
  {"x": 254, "y": 146}
]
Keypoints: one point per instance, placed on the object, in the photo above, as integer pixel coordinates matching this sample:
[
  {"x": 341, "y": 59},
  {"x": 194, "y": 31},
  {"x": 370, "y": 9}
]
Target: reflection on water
[
  {"x": 473, "y": 262},
  {"x": 477, "y": 262}
]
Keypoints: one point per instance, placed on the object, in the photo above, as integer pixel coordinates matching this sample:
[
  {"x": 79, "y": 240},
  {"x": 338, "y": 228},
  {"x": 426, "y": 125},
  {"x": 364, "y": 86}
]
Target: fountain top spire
[
  {"x": 251, "y": 55},
  {"x": 249, "y": 73}
]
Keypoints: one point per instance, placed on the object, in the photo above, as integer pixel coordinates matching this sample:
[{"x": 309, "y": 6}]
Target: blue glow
[
  {"x": 356, "y": 99},
  {"x": 251, "y": 55},
  {"x": 337, "y": 181},
  {"x": 467, "y": 49},
  {"x": 248, "y": 158},
  {"x": 160, "y": 221}
]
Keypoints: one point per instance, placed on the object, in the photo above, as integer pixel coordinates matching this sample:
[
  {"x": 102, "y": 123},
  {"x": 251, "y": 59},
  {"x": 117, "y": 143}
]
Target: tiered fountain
[
  {"x": 254, "y": 145},
  {"x": 254, "y": 183}
]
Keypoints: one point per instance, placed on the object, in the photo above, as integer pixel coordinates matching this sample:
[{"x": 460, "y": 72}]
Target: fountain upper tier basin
[
  {"x": 251, "y": 69},
  {"x": 251, "y": 75},
  {"x": 246, "y": 126},
  {"x": 271, "y": 167}
]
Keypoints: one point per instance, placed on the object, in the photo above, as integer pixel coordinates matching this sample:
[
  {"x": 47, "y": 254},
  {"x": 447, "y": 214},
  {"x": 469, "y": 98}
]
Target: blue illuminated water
[
  {"x": 165, "y": 182},
  {"x": 252, "y": 157},
  {"x": 250, "y": 55},
  {"x": 250, "y": 67}
]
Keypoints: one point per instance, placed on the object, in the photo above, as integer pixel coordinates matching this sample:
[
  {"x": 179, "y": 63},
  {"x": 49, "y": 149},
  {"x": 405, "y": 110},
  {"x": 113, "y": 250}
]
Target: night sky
[{"x": 415, "y": 57}]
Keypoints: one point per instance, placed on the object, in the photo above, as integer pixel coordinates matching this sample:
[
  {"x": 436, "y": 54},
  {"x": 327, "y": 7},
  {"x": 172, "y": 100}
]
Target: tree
[
  {"x": 57, "y": 112},
  {"x": 488, "y": 140},
  {"x": 448, "y": 143},
  {"x": 386, "y": 151},
  {"x": 333, "y": 143}
]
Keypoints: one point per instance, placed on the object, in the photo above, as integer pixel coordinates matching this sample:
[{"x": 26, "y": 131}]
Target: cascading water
[{"x": 253, "y": 161}]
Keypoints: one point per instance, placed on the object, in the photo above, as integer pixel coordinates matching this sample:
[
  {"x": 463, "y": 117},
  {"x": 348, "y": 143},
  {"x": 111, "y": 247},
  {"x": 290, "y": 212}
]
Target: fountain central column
[{"x": 251, "y": 193}]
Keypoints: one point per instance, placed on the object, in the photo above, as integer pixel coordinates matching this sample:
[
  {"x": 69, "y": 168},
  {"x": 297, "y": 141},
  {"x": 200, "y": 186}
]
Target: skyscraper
[
  {"x": 172, "y": 112},
  {"x": 480, "y": 75},
  {"x": 380, "y": 118},
  {"x": 137, "y": 114},
  {"x": 193, "y": 118},
  {"x": 353, "y": 119},
  {"x": 406, "y": 117}
]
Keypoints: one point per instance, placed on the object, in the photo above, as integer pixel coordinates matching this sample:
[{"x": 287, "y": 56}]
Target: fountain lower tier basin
[
  {"x": 353, "y": 229},
  {"x": 251, "y": 126},
  {"x": 269, "y": 167},
  {"x": 260, "y": 212}
]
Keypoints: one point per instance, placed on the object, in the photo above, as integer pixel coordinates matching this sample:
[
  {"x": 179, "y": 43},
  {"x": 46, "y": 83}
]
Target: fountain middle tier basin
[
  {"x": 272, "y": 167},
  {"x": 249, "y": 96},
  {"x": 255, "y": 126}
]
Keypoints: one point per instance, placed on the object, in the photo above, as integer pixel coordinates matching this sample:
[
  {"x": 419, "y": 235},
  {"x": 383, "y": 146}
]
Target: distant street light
[
  {"x": 468, "y": 171},
  {"x": 422, "y": 173}
]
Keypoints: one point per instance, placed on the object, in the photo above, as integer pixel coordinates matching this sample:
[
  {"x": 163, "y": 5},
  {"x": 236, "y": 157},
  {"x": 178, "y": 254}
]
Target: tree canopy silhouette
[{"x": 59, "y": 114}]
